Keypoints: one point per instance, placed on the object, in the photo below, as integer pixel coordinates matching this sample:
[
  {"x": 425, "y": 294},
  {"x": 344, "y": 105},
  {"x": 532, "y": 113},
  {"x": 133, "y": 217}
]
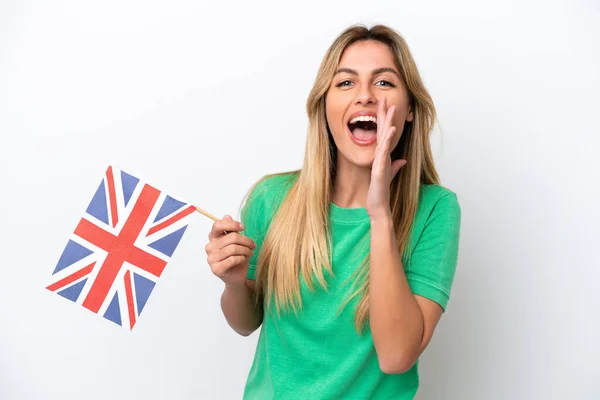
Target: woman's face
[{"x": 366, "y": 75}]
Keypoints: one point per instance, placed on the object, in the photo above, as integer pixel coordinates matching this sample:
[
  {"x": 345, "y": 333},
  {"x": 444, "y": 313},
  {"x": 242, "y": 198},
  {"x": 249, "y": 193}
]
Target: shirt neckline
[{"x": 346, "y": 215}]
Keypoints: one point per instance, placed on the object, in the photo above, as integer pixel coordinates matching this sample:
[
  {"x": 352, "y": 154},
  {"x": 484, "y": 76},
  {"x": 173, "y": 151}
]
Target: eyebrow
[{"x": 374, "y": 72}]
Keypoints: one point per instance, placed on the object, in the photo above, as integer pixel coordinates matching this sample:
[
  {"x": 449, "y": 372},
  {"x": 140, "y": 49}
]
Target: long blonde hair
[{"x": 298, "y": 242}]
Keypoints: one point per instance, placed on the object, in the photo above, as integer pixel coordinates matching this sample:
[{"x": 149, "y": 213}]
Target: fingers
[
  {"x": 233, "y": 250},
  {"x": 381, "y": 117},
  {"x": 219, "y": 243},
  {"x": 232, "y": 239},
  {"x": 227, "y": 248},
  {"x": 390, "y": 118},
  {"x": 220, "y": 269},
  {"x": 385, "y": 118},
  {"x": 227, "y": 224},
  {"x": 390, "y": 135},
  {"x": 228, "y": 251},
  {"x": 384, "y": 138}
]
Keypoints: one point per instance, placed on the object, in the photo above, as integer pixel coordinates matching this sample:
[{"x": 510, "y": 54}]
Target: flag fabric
[{"x": 120, "y": 248}]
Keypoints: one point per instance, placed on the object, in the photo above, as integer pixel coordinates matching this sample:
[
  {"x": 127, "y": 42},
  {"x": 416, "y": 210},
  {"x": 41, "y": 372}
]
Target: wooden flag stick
[{"x": 209, "y": 215}]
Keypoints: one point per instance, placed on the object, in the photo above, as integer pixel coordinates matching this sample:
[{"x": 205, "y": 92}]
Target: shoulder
[
  {"x": 272, "y": 188},
  {"x": 266, "y": 195},
  {"x": 435, "y": 198},
  {"x": 438, "y": 210}
]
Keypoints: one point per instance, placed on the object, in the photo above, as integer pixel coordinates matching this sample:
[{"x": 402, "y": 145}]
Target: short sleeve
[{"x": 433, "y": 261}]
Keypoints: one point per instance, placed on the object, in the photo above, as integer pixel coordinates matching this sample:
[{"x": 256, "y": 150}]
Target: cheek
[
  {"x": 400, "y": 116},
  {"x": 401, "y": 102},
  {"x": 334, "y": 117}
]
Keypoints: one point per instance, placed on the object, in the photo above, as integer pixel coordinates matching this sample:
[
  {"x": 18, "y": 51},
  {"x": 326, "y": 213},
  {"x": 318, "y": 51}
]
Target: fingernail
[{"x": 242, "y": 227}]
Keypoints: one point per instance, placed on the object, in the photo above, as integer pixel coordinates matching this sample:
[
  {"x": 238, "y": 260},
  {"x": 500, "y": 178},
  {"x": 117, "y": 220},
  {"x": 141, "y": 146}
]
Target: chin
[
  {"x": 360, "y": 159},
  {"x": 364, "y": 161}
]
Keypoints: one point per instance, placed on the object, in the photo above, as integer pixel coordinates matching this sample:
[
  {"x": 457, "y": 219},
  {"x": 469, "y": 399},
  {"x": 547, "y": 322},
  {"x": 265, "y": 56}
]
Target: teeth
[{"x": 363, "y": 118}]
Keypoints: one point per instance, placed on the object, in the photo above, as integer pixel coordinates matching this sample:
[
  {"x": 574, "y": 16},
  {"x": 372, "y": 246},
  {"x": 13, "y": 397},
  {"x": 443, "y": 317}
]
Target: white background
[{"x": 203, "y": 98}]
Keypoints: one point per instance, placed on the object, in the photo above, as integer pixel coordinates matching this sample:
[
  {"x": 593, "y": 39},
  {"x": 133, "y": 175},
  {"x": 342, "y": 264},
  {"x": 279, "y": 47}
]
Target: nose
[{"x": 365, "y": 95}]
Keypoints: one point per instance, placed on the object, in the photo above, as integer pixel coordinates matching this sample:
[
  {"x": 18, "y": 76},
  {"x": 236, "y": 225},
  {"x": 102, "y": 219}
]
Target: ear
[{"x": 409, "y": 118}]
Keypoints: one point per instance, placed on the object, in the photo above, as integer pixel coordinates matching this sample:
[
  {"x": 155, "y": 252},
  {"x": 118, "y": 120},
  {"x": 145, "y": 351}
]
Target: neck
[{"x": 351, "y": 185}]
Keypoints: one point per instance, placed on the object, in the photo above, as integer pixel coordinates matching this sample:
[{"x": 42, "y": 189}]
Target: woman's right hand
[{"x": 229, "y": 251}]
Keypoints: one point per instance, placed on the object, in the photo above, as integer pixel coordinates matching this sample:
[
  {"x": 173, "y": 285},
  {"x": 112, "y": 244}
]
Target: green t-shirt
[{"x": 318, "y": 354}]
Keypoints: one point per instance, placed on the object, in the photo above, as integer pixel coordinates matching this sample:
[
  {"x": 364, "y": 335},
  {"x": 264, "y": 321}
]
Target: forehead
[{"x": 367, "y": 55}]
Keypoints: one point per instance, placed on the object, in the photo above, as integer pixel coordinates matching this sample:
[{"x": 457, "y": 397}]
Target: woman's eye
[
  {"x": 386, "y": 83},
  {"x": 344, "y": 83}
]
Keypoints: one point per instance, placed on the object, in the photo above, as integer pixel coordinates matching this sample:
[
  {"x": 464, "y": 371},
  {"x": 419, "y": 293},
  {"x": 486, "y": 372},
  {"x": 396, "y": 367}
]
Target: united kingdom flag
[{"x": 120, "y": 248}]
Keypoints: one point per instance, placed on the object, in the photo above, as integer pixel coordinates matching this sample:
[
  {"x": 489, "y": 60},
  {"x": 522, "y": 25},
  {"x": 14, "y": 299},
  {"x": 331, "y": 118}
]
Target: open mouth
[{"x": 363, "y": 128}]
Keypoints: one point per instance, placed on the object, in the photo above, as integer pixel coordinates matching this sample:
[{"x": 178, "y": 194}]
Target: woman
[{"x": 348, "y": 262}]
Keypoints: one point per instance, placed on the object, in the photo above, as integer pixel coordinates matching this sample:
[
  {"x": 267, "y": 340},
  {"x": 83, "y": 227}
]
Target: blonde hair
[{"x": 298, "y": 242}]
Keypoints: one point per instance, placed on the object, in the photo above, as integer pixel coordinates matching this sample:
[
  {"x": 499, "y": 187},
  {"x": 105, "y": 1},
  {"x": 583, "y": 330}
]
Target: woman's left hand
[{"x": 383, "y": 169}]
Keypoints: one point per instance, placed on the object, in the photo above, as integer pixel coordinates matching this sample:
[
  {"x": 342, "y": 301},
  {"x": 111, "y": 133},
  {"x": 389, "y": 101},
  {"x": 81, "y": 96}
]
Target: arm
[
  {"x": 402, "y": 323},
  {"x": 241, "y": 310},
  {"x": 404, "y": 309},
  {"x": 229, "y": 254}
]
